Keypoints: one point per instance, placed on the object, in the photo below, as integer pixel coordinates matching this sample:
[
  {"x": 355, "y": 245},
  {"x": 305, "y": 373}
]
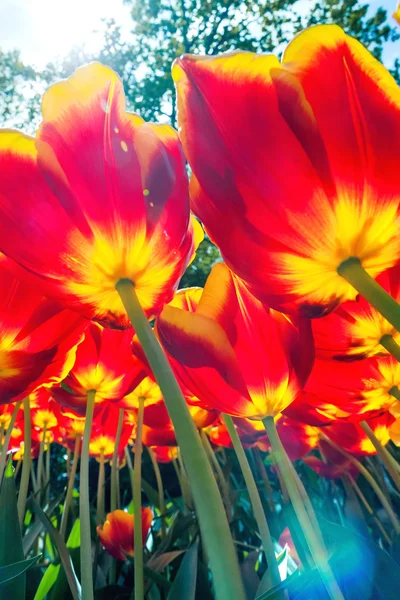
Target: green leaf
[
  {"x": 37, "y": 528},
  {"x": 11, "y": 551},
  {"x": 48, "y": 580},
  {"x": 184, "y": 584},
  {"x": 61, "y": 589},
  {"x": 62, "y": 550},
  {"x": 11, "y": 571}
]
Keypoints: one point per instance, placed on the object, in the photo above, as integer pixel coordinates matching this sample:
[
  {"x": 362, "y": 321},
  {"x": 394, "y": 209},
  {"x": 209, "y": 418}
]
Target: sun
[{"x": 53, "y": 27}]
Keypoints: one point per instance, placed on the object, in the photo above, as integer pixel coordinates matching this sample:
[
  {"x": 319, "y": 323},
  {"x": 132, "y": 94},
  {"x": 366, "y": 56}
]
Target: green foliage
[{"x": 10, "y": 553}]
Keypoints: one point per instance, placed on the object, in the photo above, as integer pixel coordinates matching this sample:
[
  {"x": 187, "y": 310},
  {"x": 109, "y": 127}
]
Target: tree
[{"x": 18, "y": 90}]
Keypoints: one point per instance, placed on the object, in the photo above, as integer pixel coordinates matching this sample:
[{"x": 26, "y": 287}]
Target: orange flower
[
  {"x": 165, "y": 454},
  {"x": 120, "y": 211},
  {"x": 233, "y": 353},
  {"x": 351, "y": 391},
  {"x": 102, "y": 439},
  {"x": 37, "y": 339},
  {"x": 295, "y": 164},
  {"x": 155, "y": 414},
  {"x": 116, "y": 534},
  {"x": 355, "y": 328},
  {"x": 352, "y": 438},
  {"x": 104, "y": 362}
]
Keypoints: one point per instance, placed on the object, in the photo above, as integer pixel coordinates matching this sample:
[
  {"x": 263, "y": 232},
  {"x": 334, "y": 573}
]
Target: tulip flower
[
  {"x": 109, "y": 236},
  {"x": 103, "y": 438},
  {"x": 165, "y": 454},
  {"x": 234, "y": 353},
  {"x": 295, "y": 165},
  {"x": 104, "y": 363},
  {"x": 120, "y": 212},
  {"x": 116, "y": 534},
  {"x": 356, "y": 329},
  {"x": 351, "y": 391},
  {"x": 352, "y": 438},
  {"x": 38, "y": 340}
]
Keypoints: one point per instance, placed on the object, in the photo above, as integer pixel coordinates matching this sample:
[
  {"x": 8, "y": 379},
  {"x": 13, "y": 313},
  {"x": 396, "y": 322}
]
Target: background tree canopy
[{"x": 161, "y": 30}]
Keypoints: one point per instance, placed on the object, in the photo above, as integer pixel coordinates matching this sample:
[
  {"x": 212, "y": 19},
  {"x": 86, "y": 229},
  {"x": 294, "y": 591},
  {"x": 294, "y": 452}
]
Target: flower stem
[
  {"x": 217, "y": 468},
  {"x": 263, "y": 529},
  {"x": 160, "y": 488},
  {"x": 383, "y": 500},
  {"x": 137, "y": 504},
  {"x": 70, "y": 488},
  {"x": 84, "y": 503},
  {"x": 26, "y": 463},
  {"x": 210, "y": 509},
  {"x": 383, "y": 453},
  {"x": 40, "y": 464},
  {"x": 388, "y": 342},
  {"x": 48, "y": 482},
  {"x": 115, "y": 461},
  {"x": 264, "y": 477},
  {"x": 316, "y": 548},
  {"x": 100, "y": 513},
  {"x": 352, "y": 271},
  {"x": 368, "y": 507},
  {"x": 6, "y": 443}
]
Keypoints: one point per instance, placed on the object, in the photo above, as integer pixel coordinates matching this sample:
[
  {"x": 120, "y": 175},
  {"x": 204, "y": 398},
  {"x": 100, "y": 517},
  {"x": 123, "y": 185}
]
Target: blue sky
[{"x": 44, "y": 29}]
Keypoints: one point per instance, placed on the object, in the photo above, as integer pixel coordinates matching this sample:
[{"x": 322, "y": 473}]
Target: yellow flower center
[{"x": 328, "y": 234}]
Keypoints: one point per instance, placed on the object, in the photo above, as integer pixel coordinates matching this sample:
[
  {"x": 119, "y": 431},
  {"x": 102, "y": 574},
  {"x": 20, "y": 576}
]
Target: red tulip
[
  {"x": 295, "y": 164},
  {"x": 38, "y": 340},
  {"x": 98, "y": 196},
  {"x": 104, "y": 362},
  {"x": 355, "y": 328},
  {"x": 233, "y": 353},
  {"x": 352, "y": 438},
  {"x": 104, "y": 430},
  {"x": 116, "y": 534},
  {"x": 352, "y": 391}
]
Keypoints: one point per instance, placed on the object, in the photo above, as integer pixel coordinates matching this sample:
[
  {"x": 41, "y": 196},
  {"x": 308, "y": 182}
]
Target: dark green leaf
[
  {"x": 184, "y": 584},
  {"x": 62, "y": 550},
  {"x": 14, "y": 570},
  {"x": 11, "y": 552}
]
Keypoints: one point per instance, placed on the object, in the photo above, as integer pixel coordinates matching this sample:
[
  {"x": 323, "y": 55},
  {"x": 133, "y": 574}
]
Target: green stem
[
  {"x": 26, "y": 465},
  {"x": 217, "y": 468},
  {"x": 70, "y": 488},
  {"x": 308, "y": 506},
  {"x": 137, "y": 503},
  {"x": 316, "y": 548},
  {"x": 255, "y": 500},
  {"x": 39, "y": 478},
  {"x": 210, "y": 509},
  {"x": 100, "y": 512},
  {"x": 369, "y": 478},
  {"x": 368, "y": 507},
  {"x": 390, "y": 345},
  {"x": 48, "y": 483},
  {"x": 385, "y": 456},
  {"x": 6, "y": 443},
  {"x": 352, "y": 271},
  {"x": 160, "y": 488},
  {"x": 17, "y": 468},
  {"x": 114, "y": 463},
  {"x": 84, "y": 503},
  {"x": 264, "y": 476}
]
